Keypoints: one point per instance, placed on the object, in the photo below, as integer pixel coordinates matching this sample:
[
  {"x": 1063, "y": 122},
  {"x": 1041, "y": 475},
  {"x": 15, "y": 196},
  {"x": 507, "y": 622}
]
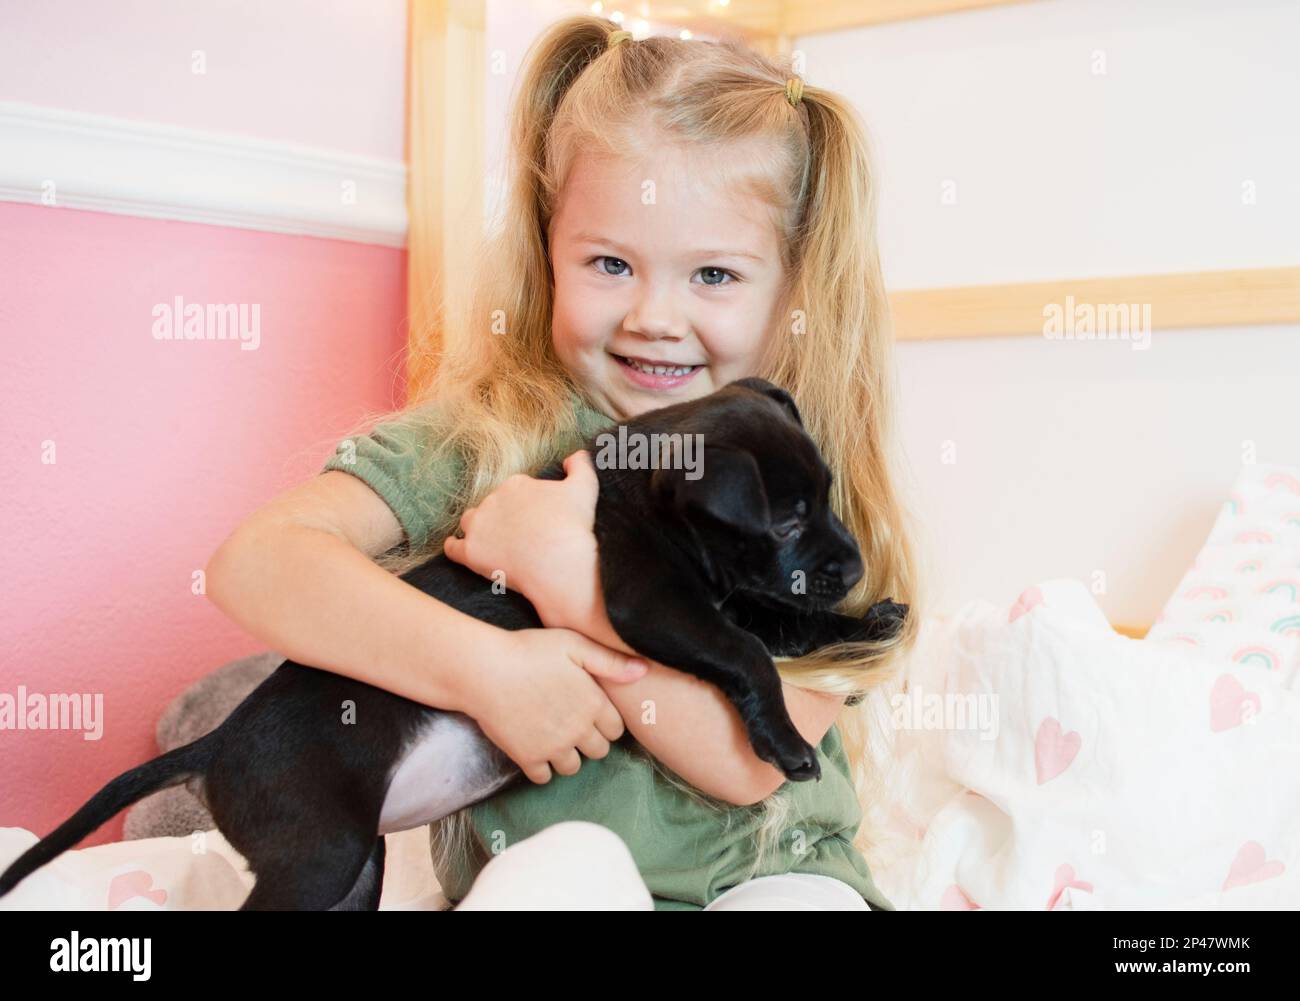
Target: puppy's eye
[
  {"x": 801, "y": 508},
  {"x": 788, "y": 531}
]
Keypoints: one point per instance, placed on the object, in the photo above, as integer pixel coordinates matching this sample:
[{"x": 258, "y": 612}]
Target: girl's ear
[
  {"x": 774, "y": 391},
  {"x": 728, "y": 489}
]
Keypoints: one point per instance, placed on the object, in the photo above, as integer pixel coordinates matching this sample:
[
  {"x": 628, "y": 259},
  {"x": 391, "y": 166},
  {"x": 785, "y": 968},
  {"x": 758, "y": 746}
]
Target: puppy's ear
[
  {"x": 729, "y": 488},
  {"x": 774, "y": 391}
]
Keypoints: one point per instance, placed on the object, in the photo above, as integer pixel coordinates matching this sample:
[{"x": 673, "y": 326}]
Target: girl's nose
[{"x": 657, "y": 314}]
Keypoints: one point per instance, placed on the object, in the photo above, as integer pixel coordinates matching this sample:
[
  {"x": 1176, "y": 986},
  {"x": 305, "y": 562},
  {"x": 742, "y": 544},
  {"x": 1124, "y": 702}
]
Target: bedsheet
[{"x": 199, "y": 872}]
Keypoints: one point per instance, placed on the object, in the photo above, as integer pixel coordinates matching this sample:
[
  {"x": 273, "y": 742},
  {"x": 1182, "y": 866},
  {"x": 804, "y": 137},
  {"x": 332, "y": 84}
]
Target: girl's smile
[{"x": 655, "y": 374}]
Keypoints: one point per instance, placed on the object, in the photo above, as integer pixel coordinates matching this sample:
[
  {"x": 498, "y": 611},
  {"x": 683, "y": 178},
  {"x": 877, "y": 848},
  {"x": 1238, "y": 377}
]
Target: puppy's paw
[
  {"x": 885, "y": 618},
  {"x": 790, "y": 754}
]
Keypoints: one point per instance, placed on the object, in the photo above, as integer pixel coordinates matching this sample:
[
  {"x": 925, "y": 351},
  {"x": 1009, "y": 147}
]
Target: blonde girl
[{"x": 679, "y": 214}]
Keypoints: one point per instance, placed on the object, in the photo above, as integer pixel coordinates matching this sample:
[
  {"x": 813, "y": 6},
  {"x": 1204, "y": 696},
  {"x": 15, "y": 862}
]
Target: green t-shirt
[{"x": 686, "y": 852}]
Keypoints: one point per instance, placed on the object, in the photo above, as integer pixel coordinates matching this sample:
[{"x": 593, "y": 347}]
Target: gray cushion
[{"x": 200, "y": 709}]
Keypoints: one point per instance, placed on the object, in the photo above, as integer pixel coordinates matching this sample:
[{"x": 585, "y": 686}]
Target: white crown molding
[{"x": 165, "y": 172}]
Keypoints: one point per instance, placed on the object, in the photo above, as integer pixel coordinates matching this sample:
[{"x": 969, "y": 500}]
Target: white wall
[
  {"x": 1076, "y": 456},
  {"x": 1062, "y": 171},
  {"x": 322, "y": 73}
]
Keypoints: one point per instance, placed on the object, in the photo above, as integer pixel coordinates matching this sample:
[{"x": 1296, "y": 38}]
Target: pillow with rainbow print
[{"x": 1241, "y": 597}]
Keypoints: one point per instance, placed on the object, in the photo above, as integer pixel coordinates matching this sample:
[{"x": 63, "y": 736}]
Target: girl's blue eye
[
  {"x": 721, "y": 271},
  {"x": 604, "y": 272}
]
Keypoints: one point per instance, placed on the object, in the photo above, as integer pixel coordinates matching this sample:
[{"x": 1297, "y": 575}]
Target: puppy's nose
[{"x": 850, "y": 569}]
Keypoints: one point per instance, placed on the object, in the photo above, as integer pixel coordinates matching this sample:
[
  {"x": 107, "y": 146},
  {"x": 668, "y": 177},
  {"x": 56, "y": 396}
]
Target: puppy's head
[{"x": 761, "y": 502}]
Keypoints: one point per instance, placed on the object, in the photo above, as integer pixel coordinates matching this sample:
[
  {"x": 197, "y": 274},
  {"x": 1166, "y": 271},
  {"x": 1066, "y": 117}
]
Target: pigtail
[
  {"x": 559, "y": 59},
  {"x": 841, "y": 287}
]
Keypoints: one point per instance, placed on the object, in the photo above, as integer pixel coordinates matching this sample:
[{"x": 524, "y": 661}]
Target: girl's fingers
[
  {"x": 603, "y": 662},
  {"x": 579, "y": 464},
  {"x": 539, "y": 773},
  {"x": 581, "y": 473},
  {"x": 594, "y": 745},
  {"x": 610, "y": 723},
  {"x": 567, "y": 763}
]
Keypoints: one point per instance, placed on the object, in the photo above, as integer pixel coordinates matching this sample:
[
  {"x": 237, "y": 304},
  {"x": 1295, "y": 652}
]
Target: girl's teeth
[{"x": 659, "y": 369}]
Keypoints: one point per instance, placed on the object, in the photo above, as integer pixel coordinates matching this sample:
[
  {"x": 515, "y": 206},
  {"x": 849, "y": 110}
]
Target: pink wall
[{"x": 161, "y": 448}]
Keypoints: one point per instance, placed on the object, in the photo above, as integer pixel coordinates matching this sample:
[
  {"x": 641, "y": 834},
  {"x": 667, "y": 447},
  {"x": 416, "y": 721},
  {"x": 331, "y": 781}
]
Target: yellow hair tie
[
  {"x": 794, "y": 91},
  {"x": 617, "y": 36}
]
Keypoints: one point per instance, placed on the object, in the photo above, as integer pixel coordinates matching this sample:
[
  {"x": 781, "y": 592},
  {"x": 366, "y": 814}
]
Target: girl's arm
[{"x": 297, "y": 575}]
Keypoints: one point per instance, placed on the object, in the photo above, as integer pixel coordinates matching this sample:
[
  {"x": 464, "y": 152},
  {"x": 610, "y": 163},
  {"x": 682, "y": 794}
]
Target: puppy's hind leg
[
  {"x": 349, "y": 868},
  {"x": 364, "y": 895}
]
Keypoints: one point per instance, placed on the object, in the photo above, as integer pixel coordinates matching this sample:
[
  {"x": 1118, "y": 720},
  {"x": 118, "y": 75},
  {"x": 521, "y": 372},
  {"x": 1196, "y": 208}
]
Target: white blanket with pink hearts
[{"x": 1043, "y": 761}]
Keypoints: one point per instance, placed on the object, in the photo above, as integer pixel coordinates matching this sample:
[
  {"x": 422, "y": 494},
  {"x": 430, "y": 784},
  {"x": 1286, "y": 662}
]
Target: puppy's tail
[{"x": 165, "y": 770}]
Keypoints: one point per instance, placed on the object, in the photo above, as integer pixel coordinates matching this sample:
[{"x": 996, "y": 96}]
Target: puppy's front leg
[
  {"x": 673, "y": 621},
  {"x": 792, "y": 632},
  {"x": 881, "y": 621}
]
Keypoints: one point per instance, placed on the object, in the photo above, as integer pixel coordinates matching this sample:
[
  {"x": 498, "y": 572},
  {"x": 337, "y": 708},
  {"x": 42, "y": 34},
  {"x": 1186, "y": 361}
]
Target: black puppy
[{"x": 699, "y": 568}]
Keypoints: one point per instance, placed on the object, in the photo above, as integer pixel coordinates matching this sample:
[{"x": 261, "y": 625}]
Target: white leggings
[{"x": 578, "y": 865}]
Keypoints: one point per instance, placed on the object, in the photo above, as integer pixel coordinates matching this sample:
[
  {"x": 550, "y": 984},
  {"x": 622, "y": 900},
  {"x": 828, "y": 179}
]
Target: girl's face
[{"x": 654, "y": 265}]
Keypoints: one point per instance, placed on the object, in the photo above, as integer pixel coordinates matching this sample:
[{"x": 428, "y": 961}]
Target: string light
[{"x": 640, "y": 28}]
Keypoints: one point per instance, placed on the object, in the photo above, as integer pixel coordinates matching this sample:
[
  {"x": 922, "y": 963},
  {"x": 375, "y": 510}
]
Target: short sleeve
[{"x": 388, "y": 461}]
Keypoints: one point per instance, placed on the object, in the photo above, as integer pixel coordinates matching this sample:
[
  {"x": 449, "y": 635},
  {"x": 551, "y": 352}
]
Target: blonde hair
[{"x": 503, "y": 404}]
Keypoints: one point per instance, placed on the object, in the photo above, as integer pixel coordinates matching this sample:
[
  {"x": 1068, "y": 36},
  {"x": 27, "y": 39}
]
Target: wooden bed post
[{"x": 446, "y": 63}]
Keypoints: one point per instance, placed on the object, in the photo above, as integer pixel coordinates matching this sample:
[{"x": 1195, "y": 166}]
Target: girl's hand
[
  {"x": 539, "y": 533},
  {"x": 535, "y": 694}
]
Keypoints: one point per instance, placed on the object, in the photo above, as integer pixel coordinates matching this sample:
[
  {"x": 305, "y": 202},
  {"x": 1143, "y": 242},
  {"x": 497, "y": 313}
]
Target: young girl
[{"x": 680, "y": 214}]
